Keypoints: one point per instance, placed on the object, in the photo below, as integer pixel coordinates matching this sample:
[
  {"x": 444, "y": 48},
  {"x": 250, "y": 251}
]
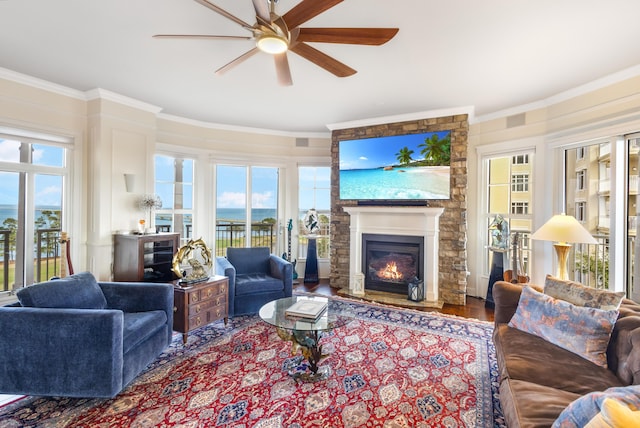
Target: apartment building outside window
[
  {"x": 581, "y": 180},
  {"x": 519, "y": 208},
  {"x": 608, "y": 210},
  {"x": 509, "y": 192},
  {"x": 520, "y": 183},
  {"x": 520, "y": 159},
  {"x": 581, "y": 211}
]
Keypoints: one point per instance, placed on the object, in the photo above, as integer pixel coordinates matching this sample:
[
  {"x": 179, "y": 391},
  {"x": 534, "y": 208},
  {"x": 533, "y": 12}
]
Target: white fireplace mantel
[{"x": 409, "y": 221}]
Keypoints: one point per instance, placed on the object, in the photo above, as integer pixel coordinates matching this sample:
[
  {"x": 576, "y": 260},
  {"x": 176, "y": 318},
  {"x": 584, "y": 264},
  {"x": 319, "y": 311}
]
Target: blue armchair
[
  {"x": 255, "y": 278},
  {"x": 77, "y": 337}
]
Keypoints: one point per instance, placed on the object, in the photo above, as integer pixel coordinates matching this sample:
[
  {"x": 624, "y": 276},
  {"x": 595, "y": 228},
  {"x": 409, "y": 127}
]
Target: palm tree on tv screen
[
  {"x": 404, "y": 156},
  {"x": 437, "y": 151}
]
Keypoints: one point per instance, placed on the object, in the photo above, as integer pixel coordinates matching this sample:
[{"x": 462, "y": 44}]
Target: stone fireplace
[
  {"x": 450, "y": 259},
  {"x": 417, "y": 225}
]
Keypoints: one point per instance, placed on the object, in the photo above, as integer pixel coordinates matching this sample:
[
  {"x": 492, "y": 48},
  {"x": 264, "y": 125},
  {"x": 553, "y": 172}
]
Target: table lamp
[{"x": 563, "y": 230}]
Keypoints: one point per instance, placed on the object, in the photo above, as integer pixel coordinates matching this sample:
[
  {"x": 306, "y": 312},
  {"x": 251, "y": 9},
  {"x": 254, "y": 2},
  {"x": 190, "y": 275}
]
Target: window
[
  {"x": 581, "y": 178},
  {"x": 520, "y": 160},
  {"x": 520, "y": 183},
  {"x": 509, "y": 180},
  {"x": 243, "y": 221},
  {"x": 581, "y": 153},
  {"x": 32, "y": 178},
  {"x": 314, "y": 191},
  {"x": 174, "y": 186},
  {"x": 581, "y": 211},
  {"x": 519, "y": 208}
]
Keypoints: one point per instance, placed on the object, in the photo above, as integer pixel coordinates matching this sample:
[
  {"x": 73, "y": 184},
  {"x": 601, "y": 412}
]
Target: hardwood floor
[{"x": 474, "y": 308}]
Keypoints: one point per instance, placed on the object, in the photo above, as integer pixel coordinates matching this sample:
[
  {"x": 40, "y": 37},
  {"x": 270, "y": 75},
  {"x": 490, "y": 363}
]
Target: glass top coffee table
[{"x": 305, "y": 334}]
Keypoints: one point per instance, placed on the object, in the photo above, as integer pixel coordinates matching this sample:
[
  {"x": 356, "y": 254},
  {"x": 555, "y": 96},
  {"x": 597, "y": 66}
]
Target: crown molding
[
  {"x": 45, "y": 85},
  {"x": 620, "y": 76},
  {"x": 245, "y": 129},
  {"x": 99, "y": 93}
]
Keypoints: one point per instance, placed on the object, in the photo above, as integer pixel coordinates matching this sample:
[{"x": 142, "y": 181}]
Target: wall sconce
[{"x": 129, "y": 182}]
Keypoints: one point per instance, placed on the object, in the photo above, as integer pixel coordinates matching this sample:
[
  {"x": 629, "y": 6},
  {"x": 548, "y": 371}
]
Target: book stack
[{"x": 307, "y": 309}]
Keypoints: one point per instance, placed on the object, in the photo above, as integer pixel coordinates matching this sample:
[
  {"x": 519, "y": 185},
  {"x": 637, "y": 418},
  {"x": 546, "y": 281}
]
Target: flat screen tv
[{"x": 395, "y": 169}]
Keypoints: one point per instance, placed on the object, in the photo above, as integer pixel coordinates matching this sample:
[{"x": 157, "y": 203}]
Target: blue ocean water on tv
[{"x": 396, "y": 184}]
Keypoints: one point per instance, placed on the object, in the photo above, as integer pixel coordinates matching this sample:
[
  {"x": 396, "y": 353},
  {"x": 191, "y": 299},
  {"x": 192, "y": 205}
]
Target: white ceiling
[{"x": 491, "y": 55}]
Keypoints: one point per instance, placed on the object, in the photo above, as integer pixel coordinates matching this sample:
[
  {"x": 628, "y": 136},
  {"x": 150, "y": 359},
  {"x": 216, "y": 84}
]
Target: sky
[
  {"x": 380, "y": 151},
  {"x": 48, "y": 188}
]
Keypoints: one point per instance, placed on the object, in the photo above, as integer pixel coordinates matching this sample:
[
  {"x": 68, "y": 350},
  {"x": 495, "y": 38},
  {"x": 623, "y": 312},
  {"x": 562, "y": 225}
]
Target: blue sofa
[
  {"x": 255, "y": 278},
  {"x": 77, "y": 337}
]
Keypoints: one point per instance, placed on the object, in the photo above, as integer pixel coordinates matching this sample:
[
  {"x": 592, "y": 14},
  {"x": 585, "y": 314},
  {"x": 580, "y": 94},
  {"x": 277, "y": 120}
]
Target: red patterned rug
[{"x": 389, "y": 368}]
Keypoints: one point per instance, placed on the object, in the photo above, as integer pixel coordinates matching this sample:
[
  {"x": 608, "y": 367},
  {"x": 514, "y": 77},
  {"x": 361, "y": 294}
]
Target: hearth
[{"x": 389, "y": 262}]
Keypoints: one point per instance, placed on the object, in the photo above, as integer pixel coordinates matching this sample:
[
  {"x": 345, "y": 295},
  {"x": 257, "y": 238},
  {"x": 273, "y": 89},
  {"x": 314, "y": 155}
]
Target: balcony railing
[
  {"x": 47, "y": 260},
  {"x": 234, "y": 234},
  {"x": 5, "y": 236},
  {"x": 47, "y": 254}
]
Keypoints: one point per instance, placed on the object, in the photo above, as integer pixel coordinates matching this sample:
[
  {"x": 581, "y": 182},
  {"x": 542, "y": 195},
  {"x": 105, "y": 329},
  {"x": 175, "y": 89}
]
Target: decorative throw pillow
[
  {"x": 79, "y": 291},
  {"x": 581, "y": 295},
  {"x": 583, "y": 331},
  {"x": 583, "y": 410}
]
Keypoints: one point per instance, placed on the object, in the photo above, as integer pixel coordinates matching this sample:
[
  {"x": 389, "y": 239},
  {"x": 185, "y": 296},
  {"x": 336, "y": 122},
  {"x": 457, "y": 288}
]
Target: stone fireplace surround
[
  {"x": 399, "y": 221},
  {"x": 452, "y": 257}
]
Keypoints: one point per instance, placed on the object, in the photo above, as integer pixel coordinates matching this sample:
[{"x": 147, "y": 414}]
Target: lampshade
[
  {"x": 272, "y": 44},
  {"x": 564, "y": 228}
]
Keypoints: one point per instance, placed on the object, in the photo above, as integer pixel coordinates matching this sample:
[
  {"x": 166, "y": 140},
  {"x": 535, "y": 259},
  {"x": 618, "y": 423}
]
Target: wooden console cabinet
[
  {"x": 200, "y": 304},
  {"x": 145, "y": 258}
]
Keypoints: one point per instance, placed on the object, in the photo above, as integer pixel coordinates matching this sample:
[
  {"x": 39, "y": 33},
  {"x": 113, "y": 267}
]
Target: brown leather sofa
[{"x": 539, "y": 379}]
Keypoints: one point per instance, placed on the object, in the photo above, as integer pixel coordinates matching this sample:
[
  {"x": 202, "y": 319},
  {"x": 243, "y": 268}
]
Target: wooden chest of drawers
[{"x": 200, "y": 304}]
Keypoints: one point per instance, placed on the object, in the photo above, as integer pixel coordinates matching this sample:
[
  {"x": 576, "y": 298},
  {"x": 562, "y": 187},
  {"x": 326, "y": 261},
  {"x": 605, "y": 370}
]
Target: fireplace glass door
[{"x": 390, "y": 262}]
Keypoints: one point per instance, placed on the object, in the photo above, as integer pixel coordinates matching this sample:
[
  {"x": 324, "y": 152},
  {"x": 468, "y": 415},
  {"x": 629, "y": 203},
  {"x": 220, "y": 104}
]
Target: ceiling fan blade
[
  {"x": 224, "y": 13},
  {"x": 305, "y": 10},
  {"x": 200, "y": 36},
  {"x": 262, "y": 9},
  {"x": 322, "y": 60},
  {"x": 355, "y": 36},
  {"x": 282, "y": 69},
  {"x": 237, "y": 61}
]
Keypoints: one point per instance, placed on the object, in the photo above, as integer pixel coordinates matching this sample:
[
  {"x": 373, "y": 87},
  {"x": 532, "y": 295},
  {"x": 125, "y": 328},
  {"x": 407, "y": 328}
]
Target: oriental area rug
[{"x": 389, "y": 367}]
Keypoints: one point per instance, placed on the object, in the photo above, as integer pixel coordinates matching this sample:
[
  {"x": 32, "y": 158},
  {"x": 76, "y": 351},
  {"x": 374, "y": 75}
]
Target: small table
[
  {"x": 305, "y": 334},
  {"x": 199, "y": 304}
]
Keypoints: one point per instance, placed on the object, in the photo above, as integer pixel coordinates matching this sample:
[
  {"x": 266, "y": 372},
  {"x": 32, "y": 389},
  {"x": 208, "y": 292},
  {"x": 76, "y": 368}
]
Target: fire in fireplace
[{"x": 390, "y": 262}]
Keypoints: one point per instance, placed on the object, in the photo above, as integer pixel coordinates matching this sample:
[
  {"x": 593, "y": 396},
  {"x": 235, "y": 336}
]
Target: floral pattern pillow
[
  {"x": 581, "y": 295},
  {"x": 583, "y": 331}
]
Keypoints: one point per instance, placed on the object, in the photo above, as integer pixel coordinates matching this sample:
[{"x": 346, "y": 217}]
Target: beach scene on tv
[{"x": 402, "y": 167}]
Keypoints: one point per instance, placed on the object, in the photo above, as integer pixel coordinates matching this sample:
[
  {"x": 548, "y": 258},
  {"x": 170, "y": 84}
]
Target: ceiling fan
[{"x": 275, "y": 34}]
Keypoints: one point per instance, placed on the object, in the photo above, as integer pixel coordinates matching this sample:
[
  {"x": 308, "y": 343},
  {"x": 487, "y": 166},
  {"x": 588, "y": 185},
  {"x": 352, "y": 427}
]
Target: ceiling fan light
[{"x": 272, "y": 44}]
